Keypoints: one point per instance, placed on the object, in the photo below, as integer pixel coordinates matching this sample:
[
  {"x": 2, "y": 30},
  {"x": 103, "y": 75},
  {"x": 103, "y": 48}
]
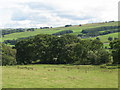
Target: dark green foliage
[
  {"x": 93, "y": 32},
  {"x": 110, "y": 38},
  {"x": 80, "y": 35},
  {"x": 68, "y": 25},
  {"x": 30, "y": 29},
  {"x": 115, "y": 46},
  {"x": 63, "y": 32},
  {"x": 13, "y": 42},
  {"x": 98, "y": 57},
  {"x": 5, "y": 32},
  {"x": 115, "y": 38},
  {"x": 98, "y": 38},
  {"x": 8, "y": 55},
  {"x": 96, "y": 45},
  {"x": 66, "y": 49},
  {"x": 45, "y": 27},
  {"x": 89, "y": 52}
]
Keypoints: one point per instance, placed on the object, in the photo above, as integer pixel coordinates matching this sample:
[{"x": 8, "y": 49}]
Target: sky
[{"x": 55, "y": 13}]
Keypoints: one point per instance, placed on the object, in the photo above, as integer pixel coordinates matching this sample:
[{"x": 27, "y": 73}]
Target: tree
[
  {"x": 80, "y": 54},
  {"x": 96, "y": 45},
  {"x": 8, "y": 55},
  {"x": 68, "y": 25},
  {"x": 115, "y": 38},
  {"x": 98, "y": 38},
  {"x": 115, "y": 46},
  {"x": 63, "y": 32},
  {"x": 110, "y": 38},
  {"x": 46, "y": 48},
  {"x": 80, "y": 35},
  {"x": 31, "y": 49},
  {"x": 98, "y": 57}
]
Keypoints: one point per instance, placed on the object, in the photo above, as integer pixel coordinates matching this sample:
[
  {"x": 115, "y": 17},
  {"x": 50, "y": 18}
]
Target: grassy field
[
  {"x": 59, "y": 76},
  {"x": 104, "y": 38}
]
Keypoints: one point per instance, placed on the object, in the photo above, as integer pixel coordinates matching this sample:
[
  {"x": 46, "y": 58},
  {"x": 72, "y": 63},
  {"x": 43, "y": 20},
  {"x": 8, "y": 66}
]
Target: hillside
[{"x": 75, "y": 28}]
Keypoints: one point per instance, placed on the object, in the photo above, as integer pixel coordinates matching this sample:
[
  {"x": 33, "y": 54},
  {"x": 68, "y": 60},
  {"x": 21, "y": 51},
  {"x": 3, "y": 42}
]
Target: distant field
[
  {"x": 104, "y": 38},
  {"x": 59, "y": 76},
  {"x": 75, "y": 28}
]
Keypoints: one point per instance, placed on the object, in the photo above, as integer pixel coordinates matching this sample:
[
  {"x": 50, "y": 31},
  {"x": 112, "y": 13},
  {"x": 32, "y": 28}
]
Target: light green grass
[
  {"x": 106, "y": 45},
  {"x": 104, "y": 38},
  {"x": 59, "y": 76}
]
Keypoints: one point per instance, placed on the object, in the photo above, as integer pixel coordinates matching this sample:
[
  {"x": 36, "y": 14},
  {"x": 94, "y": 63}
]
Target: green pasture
[
  {"x": 59, "y": 76},
  {"x": 104, "y": 38}
]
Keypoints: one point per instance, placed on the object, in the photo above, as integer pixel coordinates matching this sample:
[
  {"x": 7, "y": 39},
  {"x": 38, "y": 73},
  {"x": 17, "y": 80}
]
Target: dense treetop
[{"x": 67, "y": 49}]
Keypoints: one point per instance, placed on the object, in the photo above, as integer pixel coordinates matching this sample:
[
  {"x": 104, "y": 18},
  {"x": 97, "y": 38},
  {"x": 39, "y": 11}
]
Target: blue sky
[{"x": 38, "y": 13}]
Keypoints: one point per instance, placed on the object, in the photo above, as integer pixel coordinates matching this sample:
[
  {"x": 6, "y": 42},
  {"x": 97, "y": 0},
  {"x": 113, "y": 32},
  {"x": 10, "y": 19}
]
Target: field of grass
[
  {"x": 104, "y": 38},
  {"x": 75, "y": 28},
  {"x": 59, "y": 76}
]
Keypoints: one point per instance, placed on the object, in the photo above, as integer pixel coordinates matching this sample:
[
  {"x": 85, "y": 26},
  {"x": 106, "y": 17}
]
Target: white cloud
[{"x": 36, "y": 13}]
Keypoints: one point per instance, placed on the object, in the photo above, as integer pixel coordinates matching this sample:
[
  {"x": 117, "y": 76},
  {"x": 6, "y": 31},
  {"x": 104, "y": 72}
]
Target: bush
[
  {"x": 8, "y": 55},
  {"x": 110, "y": 38},
  {"x": 98, "y": 57},
  {"x": 68, "y": 25},
  {"x": 8, "y": 60},
  {"x": 115, "y": 46}
]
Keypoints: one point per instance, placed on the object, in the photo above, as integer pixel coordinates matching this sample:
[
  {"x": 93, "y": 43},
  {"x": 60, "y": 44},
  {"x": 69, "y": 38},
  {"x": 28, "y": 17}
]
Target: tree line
[
  {"x": 5, "y": 32},
  {"x": 93, "y": 32},
  {"x": 14, "y": 41},
  {"x": 67, "y": 49},
  {"x": 63, "y": 32}
]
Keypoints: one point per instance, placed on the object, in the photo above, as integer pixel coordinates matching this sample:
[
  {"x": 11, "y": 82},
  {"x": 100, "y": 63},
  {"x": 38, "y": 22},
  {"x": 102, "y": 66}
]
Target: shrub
[{"x": 8, "y": 55}]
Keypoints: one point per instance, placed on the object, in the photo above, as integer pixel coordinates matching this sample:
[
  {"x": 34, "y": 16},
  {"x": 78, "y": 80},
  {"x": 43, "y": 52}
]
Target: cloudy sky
[{"x": 38, "y": 13}]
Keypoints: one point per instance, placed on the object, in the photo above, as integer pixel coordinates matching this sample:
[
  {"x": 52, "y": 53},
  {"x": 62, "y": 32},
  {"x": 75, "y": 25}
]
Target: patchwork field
[
  {"x": 75, "y": 28},
  {"x": 59, "y": 76}
]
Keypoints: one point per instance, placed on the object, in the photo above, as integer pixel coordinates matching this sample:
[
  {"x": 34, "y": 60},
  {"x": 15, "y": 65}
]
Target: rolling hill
[{"x": 75, "y": 28}]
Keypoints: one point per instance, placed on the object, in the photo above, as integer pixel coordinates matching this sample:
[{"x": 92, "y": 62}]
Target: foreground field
[{"x": 59, "y": 76}]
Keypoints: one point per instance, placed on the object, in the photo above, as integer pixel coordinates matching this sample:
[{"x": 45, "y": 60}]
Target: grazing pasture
[
  {"x": 75, "y": 28},
  {"x": 59, "y": 76},
  {"x": 104, "y": 38}
]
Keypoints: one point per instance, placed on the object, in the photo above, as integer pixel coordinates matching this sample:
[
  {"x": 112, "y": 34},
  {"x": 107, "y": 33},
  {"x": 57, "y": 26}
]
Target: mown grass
[{"x": 59, "y": 76}]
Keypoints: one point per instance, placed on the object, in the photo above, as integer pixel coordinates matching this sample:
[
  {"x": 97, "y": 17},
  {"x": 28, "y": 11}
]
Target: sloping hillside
[{"x": 75, "y": 28}]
